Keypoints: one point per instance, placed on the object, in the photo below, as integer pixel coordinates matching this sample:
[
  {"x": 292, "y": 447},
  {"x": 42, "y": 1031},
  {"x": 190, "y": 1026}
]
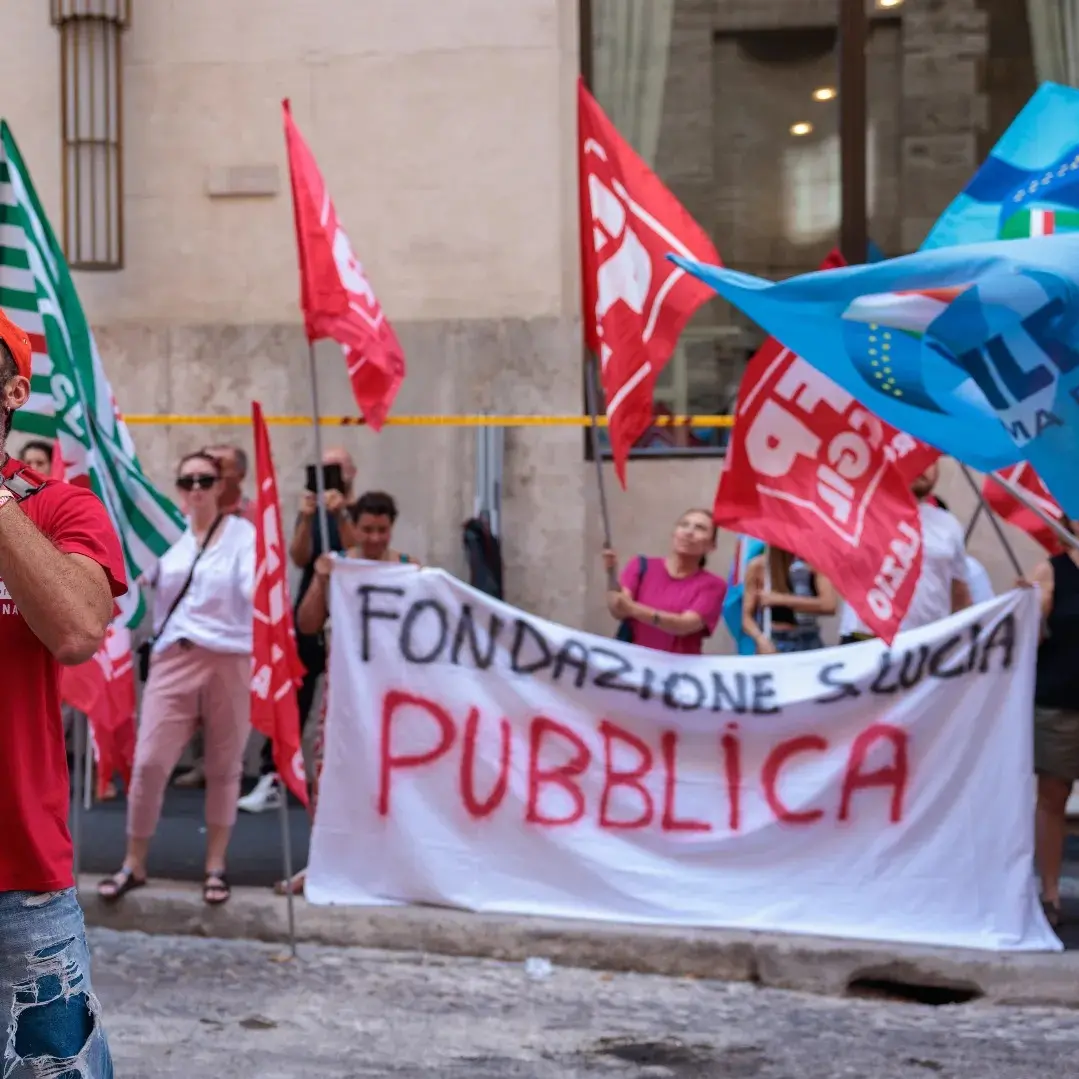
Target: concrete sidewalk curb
[{"x": 807, "y": 964}]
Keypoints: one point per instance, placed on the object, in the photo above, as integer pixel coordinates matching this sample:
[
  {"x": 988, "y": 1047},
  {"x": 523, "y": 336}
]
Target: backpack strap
[{"x": 20, "y": 486}]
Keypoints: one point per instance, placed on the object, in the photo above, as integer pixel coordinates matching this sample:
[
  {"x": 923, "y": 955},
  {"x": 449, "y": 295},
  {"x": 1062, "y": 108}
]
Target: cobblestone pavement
[{"x": 181, "y": 1007}]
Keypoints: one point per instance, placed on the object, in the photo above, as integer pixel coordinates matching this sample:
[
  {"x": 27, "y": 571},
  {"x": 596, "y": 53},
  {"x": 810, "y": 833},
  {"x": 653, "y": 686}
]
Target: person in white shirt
[
  {"x": 200, "y": 670},
  {"x": 942, "y": 586},
  {"x": 981, "y": 587}
]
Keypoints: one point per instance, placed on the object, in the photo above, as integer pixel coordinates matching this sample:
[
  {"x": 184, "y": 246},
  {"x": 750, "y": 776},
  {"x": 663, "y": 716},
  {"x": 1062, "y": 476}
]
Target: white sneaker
[{"x": 266, "y": 795}]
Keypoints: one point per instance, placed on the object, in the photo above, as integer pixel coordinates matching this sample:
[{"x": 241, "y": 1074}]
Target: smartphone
[{"x": 332, "y": 480}]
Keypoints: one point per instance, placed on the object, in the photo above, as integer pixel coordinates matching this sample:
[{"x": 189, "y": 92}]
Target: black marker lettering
[{"x": 369, "y": 613}]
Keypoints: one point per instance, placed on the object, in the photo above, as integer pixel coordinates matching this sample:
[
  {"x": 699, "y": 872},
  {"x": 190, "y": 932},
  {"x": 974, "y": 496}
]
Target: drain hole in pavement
[
  {"x": 662, "y": 1054},
  {"x": 911, "y": 993}
]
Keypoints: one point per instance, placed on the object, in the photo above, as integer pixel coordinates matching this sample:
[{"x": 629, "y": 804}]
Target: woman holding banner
[
  {"x": 376, "y": 514},
  {"x": 672, "y": 604},
  {"x": 1056, "y": 716},
  {"x": 797, "y": 597}
]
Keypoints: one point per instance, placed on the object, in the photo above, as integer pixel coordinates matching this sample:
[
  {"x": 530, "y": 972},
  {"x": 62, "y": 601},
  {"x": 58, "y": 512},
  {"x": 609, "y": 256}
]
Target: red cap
[{"x": 19, "y": 344}]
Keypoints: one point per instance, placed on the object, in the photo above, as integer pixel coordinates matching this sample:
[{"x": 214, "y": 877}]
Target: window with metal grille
[{"x": 90, "y": 103}]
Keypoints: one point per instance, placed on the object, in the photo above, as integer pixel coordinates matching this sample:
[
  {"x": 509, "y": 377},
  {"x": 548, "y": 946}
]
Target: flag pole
[
  {"x": 974, "y": 518},
  {"x": 78, "y": 751},
  {"x": 1050, "y": 522},
  {"x": 316, "y": 418},
  {"x": 1009, "y": 550},
  {"x": 591, "y": 382},
  {"x": 286, "y": 855}
]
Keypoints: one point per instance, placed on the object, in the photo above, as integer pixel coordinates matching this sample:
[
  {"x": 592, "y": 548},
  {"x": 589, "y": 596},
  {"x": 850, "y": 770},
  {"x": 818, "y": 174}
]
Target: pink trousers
[{"x": 189, "y": 685}]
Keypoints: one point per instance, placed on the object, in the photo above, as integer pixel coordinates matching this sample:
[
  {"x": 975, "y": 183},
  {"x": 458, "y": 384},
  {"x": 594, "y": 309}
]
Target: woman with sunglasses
[{"x": 200, "y": 670}]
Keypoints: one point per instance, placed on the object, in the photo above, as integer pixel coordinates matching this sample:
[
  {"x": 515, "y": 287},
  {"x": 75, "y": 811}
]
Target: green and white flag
[{"x": 71, "y": 400}]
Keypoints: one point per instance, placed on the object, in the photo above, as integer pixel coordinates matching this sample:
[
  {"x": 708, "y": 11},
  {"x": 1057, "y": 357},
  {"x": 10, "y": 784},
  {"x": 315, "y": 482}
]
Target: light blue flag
[
  {"x": 746, "y": 549},
  {"x": 974, "y": 350},
  {"x": 1029, "y": 185}
]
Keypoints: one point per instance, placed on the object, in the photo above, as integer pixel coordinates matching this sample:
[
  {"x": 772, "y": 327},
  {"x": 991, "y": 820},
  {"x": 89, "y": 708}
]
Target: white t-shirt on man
[
  {"x": 944, "y": 559},
  {"x": 981, "y": 587}
]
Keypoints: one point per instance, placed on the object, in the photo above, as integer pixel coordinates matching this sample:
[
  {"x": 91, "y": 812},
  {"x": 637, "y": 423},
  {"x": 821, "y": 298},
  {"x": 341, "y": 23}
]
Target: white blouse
[{"x": 217, "y": 610}]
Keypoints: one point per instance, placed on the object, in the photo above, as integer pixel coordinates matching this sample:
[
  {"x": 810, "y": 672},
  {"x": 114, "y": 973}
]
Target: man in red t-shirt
[{"x": 61, "y": 569}]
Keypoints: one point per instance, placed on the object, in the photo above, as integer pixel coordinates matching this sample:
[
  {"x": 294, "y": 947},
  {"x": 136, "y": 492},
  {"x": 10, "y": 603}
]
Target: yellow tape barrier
[{"x": 424, "y": 421}]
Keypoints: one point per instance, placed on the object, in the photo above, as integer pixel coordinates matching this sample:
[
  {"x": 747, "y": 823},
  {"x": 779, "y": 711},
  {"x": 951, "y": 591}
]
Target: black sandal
[
  {"x": 216, "y": 882},
  {"x": 123, "y": 882}
]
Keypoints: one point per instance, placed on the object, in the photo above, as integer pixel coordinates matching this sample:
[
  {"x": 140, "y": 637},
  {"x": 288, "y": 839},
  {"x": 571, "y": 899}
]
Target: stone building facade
[{"x": 446, "y": 132}]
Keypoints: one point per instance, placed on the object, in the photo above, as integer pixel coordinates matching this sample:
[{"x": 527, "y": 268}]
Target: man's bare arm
[{"x": 65, "y": 598}]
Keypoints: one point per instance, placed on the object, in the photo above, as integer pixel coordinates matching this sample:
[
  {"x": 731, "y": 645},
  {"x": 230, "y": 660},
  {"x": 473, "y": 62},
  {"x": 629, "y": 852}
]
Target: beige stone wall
[{"x": 445, "y": 131}]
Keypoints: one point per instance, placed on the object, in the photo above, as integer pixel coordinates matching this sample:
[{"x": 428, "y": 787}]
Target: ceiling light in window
[
  {"x": 801, "y": 129},
  {"x": 824, "y": 93},
  {"x": 889, "y": 3}
]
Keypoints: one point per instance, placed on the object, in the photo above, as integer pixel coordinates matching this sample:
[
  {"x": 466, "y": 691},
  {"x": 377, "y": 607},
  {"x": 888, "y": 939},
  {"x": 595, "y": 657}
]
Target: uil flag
[
  {"x": 337, "y": 299},
  {"x": 1029, "y": 184},
  {"x": 636, "y": 304},
  {"x": 815, "y": 473},
  {"x": 276, "y": 671},
  {"x": 974, "y": 350},
  {"x": 1015, "y": 513}
]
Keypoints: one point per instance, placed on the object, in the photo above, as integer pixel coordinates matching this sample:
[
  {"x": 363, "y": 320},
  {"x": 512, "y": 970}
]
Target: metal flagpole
[
  {"x": 591, "y": 381},
  {"x": 88, "y": 769},
  {"x": 320, "y": 479},
  {"x": 974, "y": 518},
  {"x": 286, "y": 855},
  {"x": 1008, "y": 549},
  {"x": 79, "y": 732},
  {"x": 1022, "y": 497}
]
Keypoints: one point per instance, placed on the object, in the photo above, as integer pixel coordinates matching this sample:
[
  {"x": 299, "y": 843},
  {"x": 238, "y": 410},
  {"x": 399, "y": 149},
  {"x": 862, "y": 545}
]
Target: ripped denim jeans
[{"x": 53, "y": 1028}]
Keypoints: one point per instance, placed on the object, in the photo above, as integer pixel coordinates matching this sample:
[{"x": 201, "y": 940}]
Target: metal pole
[
  {"x": 320, "y": 486},
  {"x": 853, "y": 35},
  {"x": 1022, "y": 497},
  {"x": 591, "y": 382},
  {"x": 1008, "y": 549},
  {"x": 973, "y": 520},
  {"x": 78, "y": 748},
  {"x": 88, "y": 769},
  {"x": 286, "y": 857}
]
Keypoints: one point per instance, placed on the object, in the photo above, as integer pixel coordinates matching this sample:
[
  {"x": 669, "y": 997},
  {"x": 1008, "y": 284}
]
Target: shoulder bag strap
[
  {"x": 642, "y": 569},
  {"x": 191, "y": 575}
]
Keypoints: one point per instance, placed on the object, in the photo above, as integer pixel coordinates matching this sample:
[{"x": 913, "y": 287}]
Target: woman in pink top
[{"x": 671, "y": 604}]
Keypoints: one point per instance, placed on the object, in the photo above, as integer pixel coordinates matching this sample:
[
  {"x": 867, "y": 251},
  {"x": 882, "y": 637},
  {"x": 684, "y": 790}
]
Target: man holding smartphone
[{"x": 339, "y": 477}]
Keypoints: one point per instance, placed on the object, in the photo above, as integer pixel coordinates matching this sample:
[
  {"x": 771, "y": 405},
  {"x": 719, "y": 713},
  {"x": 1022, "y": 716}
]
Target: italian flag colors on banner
[{"x": 71, "y": 400}]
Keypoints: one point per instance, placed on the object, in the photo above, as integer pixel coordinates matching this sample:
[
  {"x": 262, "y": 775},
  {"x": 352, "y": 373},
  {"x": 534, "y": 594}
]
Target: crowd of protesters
[
  {"x": 199, "y": 654},
  {"x": 675, "y": 604}
]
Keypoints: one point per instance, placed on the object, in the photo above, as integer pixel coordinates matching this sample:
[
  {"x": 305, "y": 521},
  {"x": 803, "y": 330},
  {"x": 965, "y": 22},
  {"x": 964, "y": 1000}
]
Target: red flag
[
  {"x": 337, "y": 299},
  {"x": 276, "y": 670},
  {"x": 813, "y": 472},
  {"x": 1015, "y": 513},
  {"x": 103, "y": 688},
  {"x": 917, "y": 456},
  {"x": 636, "y": 302}
]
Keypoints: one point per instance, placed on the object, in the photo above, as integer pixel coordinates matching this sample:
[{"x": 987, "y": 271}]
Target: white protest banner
[{"x": 480, "y": 758}]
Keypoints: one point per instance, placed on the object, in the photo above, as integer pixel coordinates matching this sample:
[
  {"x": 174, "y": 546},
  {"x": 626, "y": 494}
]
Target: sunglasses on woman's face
[{"x": 201, "y": 482}]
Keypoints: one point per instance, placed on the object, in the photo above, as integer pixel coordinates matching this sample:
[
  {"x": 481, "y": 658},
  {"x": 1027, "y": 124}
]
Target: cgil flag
[
  {"x": 335, "y": 295},
  {"x": 71, "y": 400},
  {"x": 1010, "y": 509},
  {"x": 973, "y": 350},
  {"x": 276, "y": 670},
  {"x": 635, "y": 303}
]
